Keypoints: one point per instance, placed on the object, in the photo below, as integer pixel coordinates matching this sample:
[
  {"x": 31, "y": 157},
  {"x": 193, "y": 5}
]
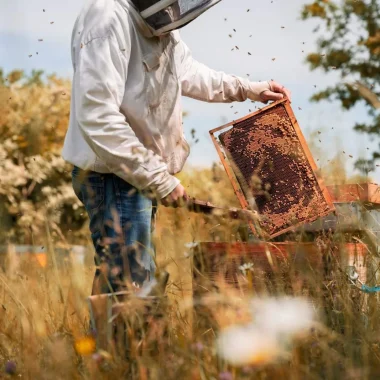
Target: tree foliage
[
  {"x": 349, "y": 43},
  {"x": 34, "y": 180}
]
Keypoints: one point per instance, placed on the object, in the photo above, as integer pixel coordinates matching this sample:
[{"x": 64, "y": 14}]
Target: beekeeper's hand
[
  {"x": 276, "y": 92},
  {"x": 176, "y": 198}
]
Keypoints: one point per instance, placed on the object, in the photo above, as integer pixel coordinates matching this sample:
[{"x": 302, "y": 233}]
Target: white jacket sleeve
[
  {"x": 101, "y": 74},
  {"x": 202, "y": 83}
]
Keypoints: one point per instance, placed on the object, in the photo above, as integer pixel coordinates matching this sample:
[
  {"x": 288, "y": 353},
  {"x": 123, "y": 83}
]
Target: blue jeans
[{"x": 121, "y": 225}]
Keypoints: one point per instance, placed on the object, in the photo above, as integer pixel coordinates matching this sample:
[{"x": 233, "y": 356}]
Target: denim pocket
[
  {"x": 89, "y": 188},
  {"x": 93, "y": 192}
]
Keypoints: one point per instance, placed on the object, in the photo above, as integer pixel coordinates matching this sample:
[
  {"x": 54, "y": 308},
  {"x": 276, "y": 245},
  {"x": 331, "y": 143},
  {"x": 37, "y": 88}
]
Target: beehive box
[
  {"x": 274, "y": 265},
  {"x": 40, "y": 255},
  {"x": 271, "y": 168},
  {"x": 244, "y": 269},
  {"x": 229, "y": 264},
  {"x": 356, "y": 221}
]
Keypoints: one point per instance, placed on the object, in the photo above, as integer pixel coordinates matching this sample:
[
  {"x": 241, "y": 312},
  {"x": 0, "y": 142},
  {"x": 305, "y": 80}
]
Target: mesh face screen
[
  {"x": 270, "y": 164},
  {"x": 175, "y": 12},
  {"x": 189, "y": 5}
]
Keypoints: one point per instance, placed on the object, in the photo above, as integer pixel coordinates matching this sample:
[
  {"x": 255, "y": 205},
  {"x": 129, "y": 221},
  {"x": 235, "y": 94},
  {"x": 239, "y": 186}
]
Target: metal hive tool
[{"x": 267, "y": 160}]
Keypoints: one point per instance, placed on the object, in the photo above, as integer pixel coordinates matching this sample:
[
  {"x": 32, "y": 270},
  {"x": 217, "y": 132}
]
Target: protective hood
[{"x": 166, "y": 15}]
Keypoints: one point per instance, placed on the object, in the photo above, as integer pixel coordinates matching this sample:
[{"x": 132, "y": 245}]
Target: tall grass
[{"x": 44, "y": 319}]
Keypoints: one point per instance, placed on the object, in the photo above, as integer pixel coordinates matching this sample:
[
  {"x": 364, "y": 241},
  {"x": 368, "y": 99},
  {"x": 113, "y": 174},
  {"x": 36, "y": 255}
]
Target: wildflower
[
  {"x": 85, "y": 346},
  {"x": 276, "y": 322},
  {"x": 246, "y": 267},
  {"x": 283, "y": 315},
  {"x": 10, "y": 367},
  {"x": 247, "y": 345},
  {"x": 191, "y": 245}
]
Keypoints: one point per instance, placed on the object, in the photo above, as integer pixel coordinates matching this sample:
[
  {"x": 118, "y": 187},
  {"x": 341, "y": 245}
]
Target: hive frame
[{"x": 228, "y": 166}]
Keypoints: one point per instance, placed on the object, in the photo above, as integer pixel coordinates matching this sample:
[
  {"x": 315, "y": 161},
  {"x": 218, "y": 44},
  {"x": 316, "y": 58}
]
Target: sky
[{"x": 271, "y": 29}]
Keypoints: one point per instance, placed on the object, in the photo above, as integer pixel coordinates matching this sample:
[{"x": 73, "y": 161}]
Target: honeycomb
[{"x": 270, "y": 164}]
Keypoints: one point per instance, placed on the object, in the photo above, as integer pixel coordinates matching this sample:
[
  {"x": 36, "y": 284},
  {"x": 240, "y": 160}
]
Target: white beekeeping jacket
[{"x": 126, "y": 113}]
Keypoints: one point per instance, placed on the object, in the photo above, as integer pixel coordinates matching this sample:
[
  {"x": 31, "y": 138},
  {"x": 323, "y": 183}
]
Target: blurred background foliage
[
  {"x": 349, "y": 43},
  {"x": 35, "y": 180}
]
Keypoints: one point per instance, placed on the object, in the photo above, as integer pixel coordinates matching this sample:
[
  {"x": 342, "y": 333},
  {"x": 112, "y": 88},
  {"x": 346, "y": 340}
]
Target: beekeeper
[{"x": 125, "y": 137}]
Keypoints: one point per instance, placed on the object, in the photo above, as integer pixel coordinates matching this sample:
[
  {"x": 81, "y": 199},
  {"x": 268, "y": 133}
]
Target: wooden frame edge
[
  {"x": 232, "y": 177},
  {"x": 309, "y": 156},
  {"x": 235, "y": 184},
  {"x": 274, "y": 104}
]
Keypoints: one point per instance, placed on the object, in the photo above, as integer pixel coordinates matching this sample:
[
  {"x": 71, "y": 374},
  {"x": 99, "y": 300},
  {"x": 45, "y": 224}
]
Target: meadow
[{"x": 301, "y": 322}]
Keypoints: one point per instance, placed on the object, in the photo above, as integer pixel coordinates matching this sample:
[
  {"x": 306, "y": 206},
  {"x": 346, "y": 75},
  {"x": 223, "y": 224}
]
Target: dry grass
[{"x": 44, "y": 315}]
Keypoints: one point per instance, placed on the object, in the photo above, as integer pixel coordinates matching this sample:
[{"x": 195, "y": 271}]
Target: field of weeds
[{"x": 300, "y": 321}]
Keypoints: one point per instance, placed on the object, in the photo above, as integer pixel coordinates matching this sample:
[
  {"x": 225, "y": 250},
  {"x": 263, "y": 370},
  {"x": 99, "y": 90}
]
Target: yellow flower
[{"x": 85, "y": 346}]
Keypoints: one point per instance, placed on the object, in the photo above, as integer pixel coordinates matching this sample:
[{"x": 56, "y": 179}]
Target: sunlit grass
[{"x": 45, "y": 334}]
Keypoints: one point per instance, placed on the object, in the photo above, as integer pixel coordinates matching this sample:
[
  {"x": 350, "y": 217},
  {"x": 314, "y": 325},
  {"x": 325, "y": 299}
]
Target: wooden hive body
[
  {"x": 214, "y": 261},
  {"x": 224, "y": 262}
]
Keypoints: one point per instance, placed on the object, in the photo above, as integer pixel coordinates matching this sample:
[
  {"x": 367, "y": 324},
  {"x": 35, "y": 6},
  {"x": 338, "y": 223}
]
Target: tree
[
  {"x": 350, "y": 44},
  {"x": 35, "y": 182}
]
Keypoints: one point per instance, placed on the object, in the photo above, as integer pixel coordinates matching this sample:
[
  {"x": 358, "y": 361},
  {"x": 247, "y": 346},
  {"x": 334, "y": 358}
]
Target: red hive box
[
  {"x": 357, "y": 220},
  {"x": 267, "y": 160}
]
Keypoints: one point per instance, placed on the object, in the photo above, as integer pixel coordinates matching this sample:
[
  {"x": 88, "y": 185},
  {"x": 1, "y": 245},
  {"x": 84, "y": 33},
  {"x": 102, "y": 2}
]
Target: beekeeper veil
[{"x": 166, "y": 15}]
